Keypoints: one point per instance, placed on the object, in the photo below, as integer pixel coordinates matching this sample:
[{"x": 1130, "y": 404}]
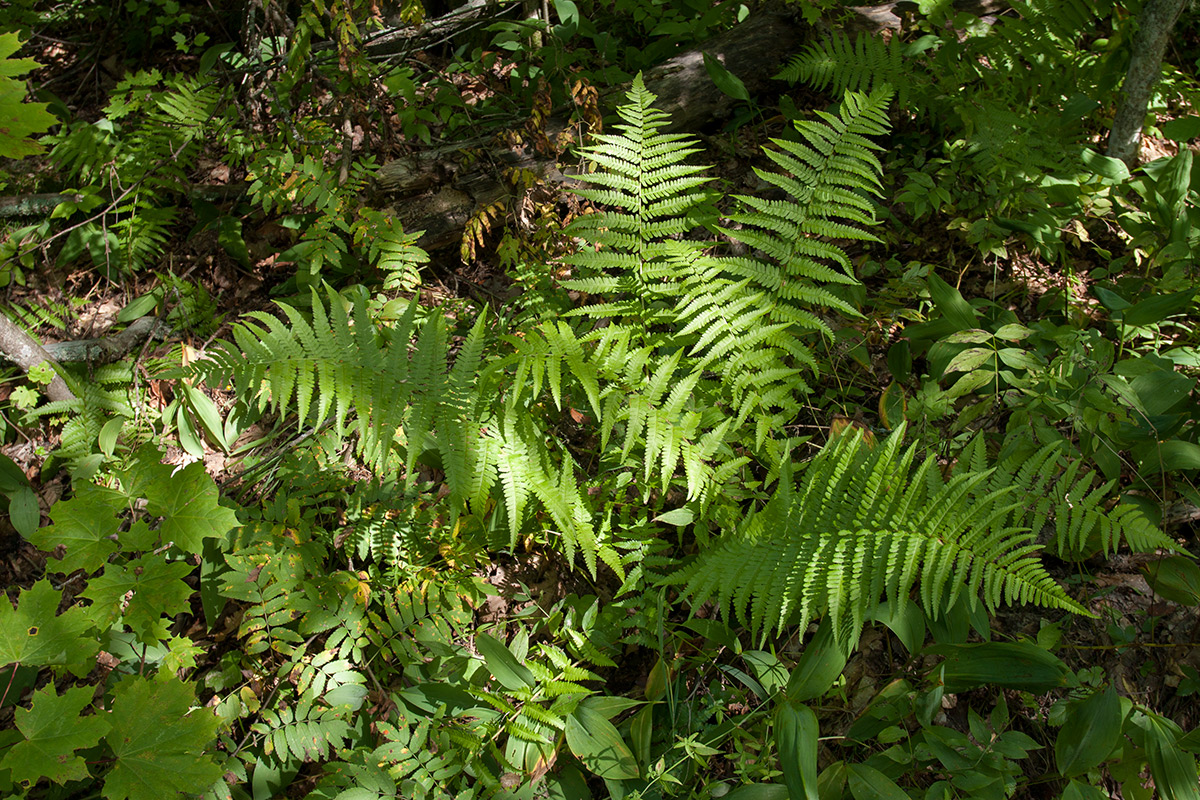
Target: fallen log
[{"x": 432, "y": 191}]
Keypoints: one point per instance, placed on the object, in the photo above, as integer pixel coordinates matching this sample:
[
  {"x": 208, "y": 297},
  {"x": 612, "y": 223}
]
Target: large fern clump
[
  {"x": 340, "y": 369},
  {"x": 862, "y": 524},
  {"x": 1004, "y": 102},
  {"x": 140, "y": 153},
  {"x": 687, "y": 345}
]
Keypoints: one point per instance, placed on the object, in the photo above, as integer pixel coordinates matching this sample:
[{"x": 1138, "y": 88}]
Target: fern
[
  {"x": 99, "y": 399},
  {"x": 682, "y": 334},
  {"x": 839, "y": 64},
  {"x": 338, "y": 368},
  {"x": 861, "y": 524},
  {"x": 139, "y": 154},
  {"x": 1058, "y": 495},
  {"x": 1027, "y": 76}
]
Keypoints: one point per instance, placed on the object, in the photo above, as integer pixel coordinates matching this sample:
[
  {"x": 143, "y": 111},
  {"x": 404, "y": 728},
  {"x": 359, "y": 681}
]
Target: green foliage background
[{"x": 584, "y": 542}]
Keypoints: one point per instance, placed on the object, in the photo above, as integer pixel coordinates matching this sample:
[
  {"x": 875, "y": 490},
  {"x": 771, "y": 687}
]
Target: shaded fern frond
[
  {"x": 339, "y": 369},
  {"x": 862, "y": 524},
  {"x": 1073, "y": 504},
  {"x": 839, "y": 63}
]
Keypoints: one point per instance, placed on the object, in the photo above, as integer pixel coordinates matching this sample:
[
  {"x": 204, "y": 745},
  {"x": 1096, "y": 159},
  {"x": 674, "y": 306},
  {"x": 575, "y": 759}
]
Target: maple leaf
[
  {"x": 159, "y": 746},
  {"x": 34, "y": 634},
  {"x": 83, "y": 525},
  {"x": 18, "y": 120},
  {"x": 53, "y": 731},
  {"x": 186, "y": 500},
  {"x": 142, "y": 591}
]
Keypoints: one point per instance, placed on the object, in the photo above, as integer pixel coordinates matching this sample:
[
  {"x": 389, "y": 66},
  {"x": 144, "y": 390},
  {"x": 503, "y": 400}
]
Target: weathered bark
[
  {"x": 1149, "y": 43},
  {"x": 33, "y": 205},
  {"x": 26, "y": 353},
  {"x": 108, "y": 348},
  {"x": 39, "y": 205}
]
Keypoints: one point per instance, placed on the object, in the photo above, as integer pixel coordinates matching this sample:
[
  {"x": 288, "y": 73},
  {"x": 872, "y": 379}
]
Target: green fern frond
[
  {"x": 1071, "y": 503},
  {"x": 830, "y": 175},
  {"x": 861, "y": 525},
  {"x": 839, "y": 63},
  {"x": 338, "y": 369}
]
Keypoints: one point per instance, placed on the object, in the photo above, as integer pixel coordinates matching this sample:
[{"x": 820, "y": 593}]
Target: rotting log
[
  {"x": 432, "y": 192},
  {"x": 24, "y": 351}
]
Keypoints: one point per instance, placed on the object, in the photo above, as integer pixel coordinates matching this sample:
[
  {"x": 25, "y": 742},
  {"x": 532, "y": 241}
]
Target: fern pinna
[{"x": 862, "y": 524}]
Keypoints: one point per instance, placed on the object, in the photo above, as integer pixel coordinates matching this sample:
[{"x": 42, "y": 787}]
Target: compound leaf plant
[{"x": 573, "y": 554}]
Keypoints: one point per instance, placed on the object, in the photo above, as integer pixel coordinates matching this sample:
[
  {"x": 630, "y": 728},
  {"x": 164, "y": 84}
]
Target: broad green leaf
[
  {"x": 139, "y": 307},
  {"x": 759, "y": 791},
  {"x": 1018, "y": 359},
  {"x": 596, "y": 742},
  {"x": 969, "y": 359},
  {"x": 187, "y": 503},
  {"x": 892, "y": 406},
  {"x": 1110, "y": 299},
  {"x": 206, "y": 411},
  {"x": 189, "y": 436},
  {"x": 147, "y": 588},
  {"x": 952, "y": 305},
  {"x": 1157, "y": 308},
  {"x": 24, "y": 512},
  {"x": 678, "y": 516},
  {"x": 18, "y": 119},
  {"x": 1171, "y": 455},
  {"x": 973, "y": 336},
  {"x": 512, "y": 674},
  {"x": 1174, "y": 182},
  {"x": 229, "y": 236},
  {"x": 1176, "y": 578},
  {"x": 868, "y": 783},
  {"x": 725, "y": 80},
  {"x": 1014, "y": 665},
  {"x": 831, "y": 783},
  {"x": 970, "y": 382},
  {"x": 908, "y": 625},
  {"x": 11, "y": 476},
  {"x": 160, "y": 741},
  {"x": 1160, "y": 390},
  {"x": 1091, "y": 731},
  {"x": 609, "y": 706},
  {"x": 656, "y": 681},
  {"x": 1183, "y": 129},
  {"x": 796, "y": 733},
  {"x": 109, "y": 434},
  {"x": 1083, "y": 791},
  {"x": 53, "y": 731},
  {"x": 767, "y": 668},
  {"x": 83, "y": 527},
  {"x": 35, "y": 635},
  {"x": 1112, "y": 168},
  {"x": 1013, "y": 332},
  {"x": 818, "y": 667},
  {"x": 1174, "y": 770},
  {"x": 899, "y": 360}
]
